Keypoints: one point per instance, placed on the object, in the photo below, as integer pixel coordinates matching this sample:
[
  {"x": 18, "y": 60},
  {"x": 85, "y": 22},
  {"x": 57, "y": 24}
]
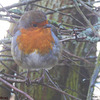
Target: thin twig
[
  {"x": 87, "y": 21},
  {"x": 12, "y": 15},
  {"x": 5, "y": 55},
  {"x": 50, "y": 79},
  {"x": 7, "y": 19},
  {"x": 8, "y": 14},
  {"x": 89, "y": 8},
  {"x": 73, "y": 38},
  {"x": 93, "y": 79},
  {"x": 7, "y": 67},
  {"x": 11, "y": 76},
  {"x": 9, "y": 79},
  {"x": 6, "y": 59},
  {"x": 63, "y": 92},
  {"x": 34, "y": 81},
  {"x": 16, "y": 89},
  {"x": 5, "y": 40},
  {"x": 18, "y": 4},
  {"x": 5, "y": 50},
  {"x": 76, "y": 56}
]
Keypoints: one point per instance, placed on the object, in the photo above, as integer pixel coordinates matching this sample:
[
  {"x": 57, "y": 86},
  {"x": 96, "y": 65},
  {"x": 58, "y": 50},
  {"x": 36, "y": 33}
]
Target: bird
[{"x": 35, "y": 45}]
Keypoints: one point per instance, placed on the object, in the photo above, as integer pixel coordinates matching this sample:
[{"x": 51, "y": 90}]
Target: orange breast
[{"x": 35, "y": 39}]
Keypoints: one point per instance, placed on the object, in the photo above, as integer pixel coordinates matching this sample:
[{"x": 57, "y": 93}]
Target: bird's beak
[{"x": 48, "y": 26}]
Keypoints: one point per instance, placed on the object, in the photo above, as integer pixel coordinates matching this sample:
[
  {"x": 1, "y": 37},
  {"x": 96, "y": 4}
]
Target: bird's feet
[
  {"x": 41, "y": 79},
  {"x": 27, "y": 79}
]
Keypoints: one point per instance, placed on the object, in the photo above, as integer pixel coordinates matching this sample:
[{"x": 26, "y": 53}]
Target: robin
[{"x": 34, "y": 44}]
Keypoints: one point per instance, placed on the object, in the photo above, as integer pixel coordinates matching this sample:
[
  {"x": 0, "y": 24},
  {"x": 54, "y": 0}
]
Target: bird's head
[
  {"x": 36, "y": 34},
  {"x": 33, "y": 19}
]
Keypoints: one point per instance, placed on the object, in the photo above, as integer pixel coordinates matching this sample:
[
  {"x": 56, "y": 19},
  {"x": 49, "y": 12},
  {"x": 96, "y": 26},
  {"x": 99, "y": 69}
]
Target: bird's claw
[{"x": 28, "y": 81}]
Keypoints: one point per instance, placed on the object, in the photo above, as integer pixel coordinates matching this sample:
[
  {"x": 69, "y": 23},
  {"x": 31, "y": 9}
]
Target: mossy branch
[{"x": 93, "y": 79}]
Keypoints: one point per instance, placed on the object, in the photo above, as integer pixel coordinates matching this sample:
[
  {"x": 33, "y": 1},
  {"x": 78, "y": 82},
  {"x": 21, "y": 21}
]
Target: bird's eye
[{"x": 34, "y": 25}]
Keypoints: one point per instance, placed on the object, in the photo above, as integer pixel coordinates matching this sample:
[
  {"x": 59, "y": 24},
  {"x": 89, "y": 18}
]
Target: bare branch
[
  {"x": 83, "y": 59},
  {"x": 89, "y": 8},
  {"x": 6, "y": 59},
  {"x": 34, "y": 82},
  {"x": 63, "y": 92},
  {"x": 8, "y": 14},
  {"x": 16, "y": 89},
  {"x": 18, "y": 4},
  {"x": 87, "y": 21},
  {"x": 7, "y": 67},
  {"x": 93, "y": 79}
]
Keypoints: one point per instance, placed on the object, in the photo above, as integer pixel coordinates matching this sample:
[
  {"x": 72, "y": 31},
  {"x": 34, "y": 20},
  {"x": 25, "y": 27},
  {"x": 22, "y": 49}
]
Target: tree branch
[
  {"x": 87, "y": 21},
  {"x": 93, "y": 79},
  {"x": 16, "y": 89},
  {"x": 18, "y": 4},
  {"x": 89, "y": 8}
]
